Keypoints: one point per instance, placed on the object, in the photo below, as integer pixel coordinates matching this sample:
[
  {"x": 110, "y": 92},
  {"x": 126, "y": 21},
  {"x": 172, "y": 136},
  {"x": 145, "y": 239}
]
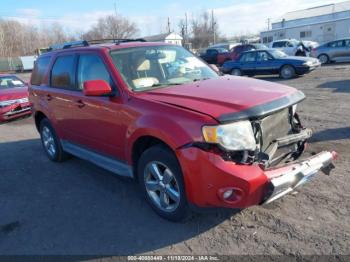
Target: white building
[
  {"x": 170, "y": 38},
  {"x": 321, "y": 24}
]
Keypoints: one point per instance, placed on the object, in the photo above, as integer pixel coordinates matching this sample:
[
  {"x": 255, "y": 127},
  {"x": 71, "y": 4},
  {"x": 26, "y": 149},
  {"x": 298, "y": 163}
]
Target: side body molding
[{"x": 113, "y": 165}]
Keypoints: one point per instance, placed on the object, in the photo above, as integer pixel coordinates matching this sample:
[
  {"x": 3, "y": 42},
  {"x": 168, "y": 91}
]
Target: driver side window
[
  {"x": 263, "y": 56},
  {"x": 91, "y": 67}
]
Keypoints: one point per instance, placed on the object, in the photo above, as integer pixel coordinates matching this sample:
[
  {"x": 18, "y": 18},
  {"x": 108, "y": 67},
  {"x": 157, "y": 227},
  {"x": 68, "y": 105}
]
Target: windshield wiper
[
  {"x": 166, "y": 84},
  {"x": 200, "y": 79}
]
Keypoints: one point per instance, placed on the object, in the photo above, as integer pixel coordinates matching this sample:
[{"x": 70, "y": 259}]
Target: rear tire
[
  {"x": 161, "y": 181},
  {"x": 287, "y": 72},
  {"x": 51, "y": 143},
  {"x": 324, "y": 59},
  {"x": 236, "y": 72}
]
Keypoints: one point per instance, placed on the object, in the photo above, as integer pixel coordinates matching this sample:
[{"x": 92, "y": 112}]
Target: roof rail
[
  {"x": 81, "y": 43},
  {"x": 115, "y": 40},
  {"x": 69, "y": 45}
]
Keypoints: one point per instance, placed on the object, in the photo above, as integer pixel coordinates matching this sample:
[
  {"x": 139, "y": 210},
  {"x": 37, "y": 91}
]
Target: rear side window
[
  {"x": 40, "y": 70},
  {"x": 91, "y": 67},
  {"x": 337, "y": 44},
  {"x": 248, "y": 57},
  {"x": 63, "y": 72}
]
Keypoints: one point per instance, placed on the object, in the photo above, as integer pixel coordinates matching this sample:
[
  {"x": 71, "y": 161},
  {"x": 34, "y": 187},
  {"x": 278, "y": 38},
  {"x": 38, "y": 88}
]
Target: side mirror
[{"x": 96, "y": 88}]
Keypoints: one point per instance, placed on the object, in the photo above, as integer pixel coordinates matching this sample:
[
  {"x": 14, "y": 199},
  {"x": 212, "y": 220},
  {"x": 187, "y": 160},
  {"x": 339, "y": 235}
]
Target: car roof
[
  {"x": 257, "y": 50},
  {"x": 340, "y": 39},
  {"x": 109, "y": 46},
  {"x": 284, "y": 40}
]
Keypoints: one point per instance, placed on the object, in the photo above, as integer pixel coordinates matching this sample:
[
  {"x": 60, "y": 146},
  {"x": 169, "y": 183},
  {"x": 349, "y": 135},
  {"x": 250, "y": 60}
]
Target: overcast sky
[{"x": 235, "y": 17}]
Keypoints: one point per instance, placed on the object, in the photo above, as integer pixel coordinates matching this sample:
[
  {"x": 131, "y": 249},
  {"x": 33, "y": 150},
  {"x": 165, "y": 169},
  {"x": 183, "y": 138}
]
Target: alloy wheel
[
  {"x": 48, "y": 141},
  {"x": 162, "y": 186},
  {"x": 323, "y": 59}
]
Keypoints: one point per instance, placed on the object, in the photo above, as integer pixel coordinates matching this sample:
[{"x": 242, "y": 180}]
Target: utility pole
[
  {"x": 115, "y": 9},
  {"x": 169, "y": 30},
  {"x": 268, "y": 24},
  {"x": 213, "y": 24},
  {"x": 186, "y": 28}
]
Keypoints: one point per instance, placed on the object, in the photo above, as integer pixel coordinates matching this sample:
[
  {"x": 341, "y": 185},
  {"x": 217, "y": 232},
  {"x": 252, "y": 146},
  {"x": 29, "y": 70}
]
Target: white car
[{"x": 291, "y": 47}]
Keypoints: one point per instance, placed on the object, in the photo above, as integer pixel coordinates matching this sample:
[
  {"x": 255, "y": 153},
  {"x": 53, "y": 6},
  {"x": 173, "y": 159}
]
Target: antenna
[{"x": 115, "y": 9}]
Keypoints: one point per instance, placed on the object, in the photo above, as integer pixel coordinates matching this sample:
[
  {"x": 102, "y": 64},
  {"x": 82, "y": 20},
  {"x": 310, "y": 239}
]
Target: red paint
[
  {"x": 96, "y": 88},
  {"x": 175, "y": 115}
]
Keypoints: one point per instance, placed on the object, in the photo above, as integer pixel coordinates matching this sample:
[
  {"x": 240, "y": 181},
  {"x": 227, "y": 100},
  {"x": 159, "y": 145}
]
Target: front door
[
  {"x": 99, "y": 122},
  {"x": 265, "y": 63}
]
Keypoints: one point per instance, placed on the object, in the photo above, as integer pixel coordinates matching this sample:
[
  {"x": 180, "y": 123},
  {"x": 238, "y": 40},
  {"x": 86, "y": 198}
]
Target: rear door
[
  {"x": 248, "y": 63},
  {"x": 347, "y": 47},
  {"x": 61, "y": 95},
  {"x": 337, "y": 49}
]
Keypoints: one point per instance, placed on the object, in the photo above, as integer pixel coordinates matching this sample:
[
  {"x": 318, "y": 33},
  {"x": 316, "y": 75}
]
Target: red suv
[{"x": 156, "y": 113}]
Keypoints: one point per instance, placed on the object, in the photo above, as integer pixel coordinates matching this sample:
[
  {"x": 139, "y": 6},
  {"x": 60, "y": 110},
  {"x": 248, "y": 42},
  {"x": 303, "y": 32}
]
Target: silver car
[{"x": 331, "y": 51}]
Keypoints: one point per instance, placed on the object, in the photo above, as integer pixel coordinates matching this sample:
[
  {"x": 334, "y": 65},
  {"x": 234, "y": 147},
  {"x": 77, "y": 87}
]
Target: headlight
[
  {"x": 308, "y": 63},
  {"x": 235, "y": 136},
  {"x": 11, "y": 102}
]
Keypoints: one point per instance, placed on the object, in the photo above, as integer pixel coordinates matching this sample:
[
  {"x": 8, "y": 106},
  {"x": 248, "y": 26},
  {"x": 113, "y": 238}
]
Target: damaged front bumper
[{"x": 285, "y": 179}]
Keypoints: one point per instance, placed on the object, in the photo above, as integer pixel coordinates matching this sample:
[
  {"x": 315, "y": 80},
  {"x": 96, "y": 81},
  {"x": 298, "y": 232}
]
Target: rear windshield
[
  {"x": 10, "y": 82},
  {"x": 40, "y": 69}
]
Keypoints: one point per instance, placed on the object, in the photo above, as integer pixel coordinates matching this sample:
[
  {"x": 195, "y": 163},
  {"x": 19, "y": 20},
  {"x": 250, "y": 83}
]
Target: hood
[
  {"x": 13, "y": 93},
  {"x": 228, "y": 98}
]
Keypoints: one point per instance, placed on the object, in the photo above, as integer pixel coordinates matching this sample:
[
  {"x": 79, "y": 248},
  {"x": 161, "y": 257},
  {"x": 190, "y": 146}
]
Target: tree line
[{"x": 19, "y": 39}]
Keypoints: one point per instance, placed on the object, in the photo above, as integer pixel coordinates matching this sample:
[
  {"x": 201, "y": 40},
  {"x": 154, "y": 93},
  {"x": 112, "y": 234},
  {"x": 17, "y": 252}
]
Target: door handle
[
  {"x": 48, "y": 97},
  {"x": 80, "y": 103}
]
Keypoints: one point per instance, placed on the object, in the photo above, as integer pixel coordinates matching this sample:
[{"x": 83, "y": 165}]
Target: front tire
[
  {"x": 287, "y": 72},
  {"x": 161, "y": 181},
  {"x": 50, "y": 142}
]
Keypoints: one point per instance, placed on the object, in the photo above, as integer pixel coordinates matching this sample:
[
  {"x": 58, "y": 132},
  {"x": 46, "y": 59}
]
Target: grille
[{"x": 273, "y": 127}]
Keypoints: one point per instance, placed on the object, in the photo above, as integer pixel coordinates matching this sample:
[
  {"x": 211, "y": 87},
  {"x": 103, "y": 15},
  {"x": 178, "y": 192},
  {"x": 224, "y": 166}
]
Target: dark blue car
[{"x": 270, "y": 62}]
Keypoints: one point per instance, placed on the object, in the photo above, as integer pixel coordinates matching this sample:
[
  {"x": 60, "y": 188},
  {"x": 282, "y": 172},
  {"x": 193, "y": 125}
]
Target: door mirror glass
[{"x": 96, "y": 88}]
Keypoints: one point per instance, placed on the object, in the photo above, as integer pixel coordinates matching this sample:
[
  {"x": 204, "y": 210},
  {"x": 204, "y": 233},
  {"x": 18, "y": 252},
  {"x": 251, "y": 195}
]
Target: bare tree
[
  {"x": 17, "y": 39},
  {"x": 205, "y": 30},
  {"x": 112, "y": 27}
]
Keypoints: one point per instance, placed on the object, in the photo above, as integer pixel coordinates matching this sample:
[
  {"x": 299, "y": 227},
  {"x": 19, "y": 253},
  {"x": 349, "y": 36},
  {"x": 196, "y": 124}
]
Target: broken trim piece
[{"x": 264, "y": 109}]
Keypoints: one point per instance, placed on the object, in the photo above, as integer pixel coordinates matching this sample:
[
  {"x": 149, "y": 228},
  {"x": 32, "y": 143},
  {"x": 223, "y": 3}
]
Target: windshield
[
  {"x": 148, "y": 67},
  {"x": 10, "y": 82},
  {"x": 277, "y": 54}
]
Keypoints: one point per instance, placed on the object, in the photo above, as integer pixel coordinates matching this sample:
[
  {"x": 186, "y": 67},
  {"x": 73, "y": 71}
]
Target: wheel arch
[
  {"x": 38, "y": 117},
  {"x": 140, "y": 145}
]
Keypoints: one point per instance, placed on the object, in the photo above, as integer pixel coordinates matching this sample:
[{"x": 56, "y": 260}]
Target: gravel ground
[{"x": 78, "y": 208}]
